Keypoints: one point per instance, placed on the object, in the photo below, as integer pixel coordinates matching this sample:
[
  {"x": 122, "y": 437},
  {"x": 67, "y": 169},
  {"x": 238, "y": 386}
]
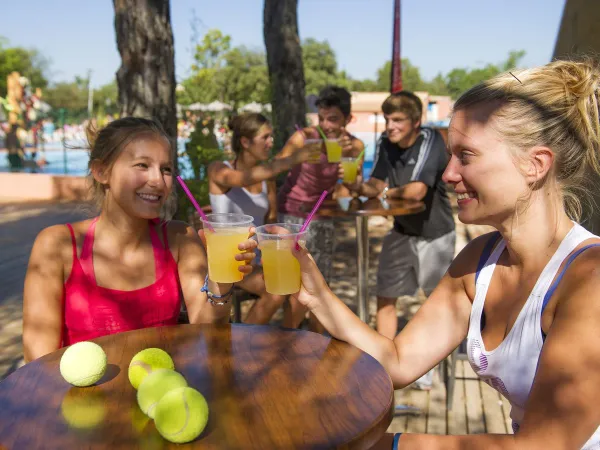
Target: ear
[
  {"x": 99, "y": 172},
  {"x": 245, "y": 142},
  {"x": 416, "y": 124},
  {"x": 539, "y": 164},
  {"x": 348, "y": 120}
]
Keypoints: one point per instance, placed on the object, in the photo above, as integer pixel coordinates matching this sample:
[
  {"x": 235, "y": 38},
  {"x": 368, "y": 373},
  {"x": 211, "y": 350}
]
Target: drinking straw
[
  {"x": 194, "y": 202},
  {"x": 312, "y": 213},
  {"x": 360, "y": 155},
  {"x": 321, "y": 133}
]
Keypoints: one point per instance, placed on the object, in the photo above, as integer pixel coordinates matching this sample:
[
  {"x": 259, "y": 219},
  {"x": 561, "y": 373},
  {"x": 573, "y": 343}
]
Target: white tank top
[
  {"x": 241, "y": 201},
  {"x": 511, "y": 367}
]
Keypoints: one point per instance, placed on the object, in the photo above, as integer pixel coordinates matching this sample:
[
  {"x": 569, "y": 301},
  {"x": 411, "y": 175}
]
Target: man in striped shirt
[{"x": 409, "y": 164}]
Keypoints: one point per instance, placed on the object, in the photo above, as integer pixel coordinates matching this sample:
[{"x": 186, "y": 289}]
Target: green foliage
[
  {"x": 29, "y": 63},
  {"x": 73, "y": 97},
  {"x": 235, "y": 76},
  {"x": 203, "y": 148},
  {"x": 239, "y": 75}
]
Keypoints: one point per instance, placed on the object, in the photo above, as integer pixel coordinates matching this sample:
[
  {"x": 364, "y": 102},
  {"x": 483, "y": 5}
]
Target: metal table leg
[{"x": 362, "y": 265}]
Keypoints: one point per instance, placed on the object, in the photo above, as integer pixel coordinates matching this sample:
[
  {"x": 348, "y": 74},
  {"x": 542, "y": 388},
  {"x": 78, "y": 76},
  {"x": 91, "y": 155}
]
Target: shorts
[
  {"x": 407, "y": 263},
  {"x": 320, "y": 241}
]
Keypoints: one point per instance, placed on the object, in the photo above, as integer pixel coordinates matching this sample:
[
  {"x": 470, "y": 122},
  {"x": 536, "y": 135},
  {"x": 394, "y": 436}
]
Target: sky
[{"x": 436, "y": 35}]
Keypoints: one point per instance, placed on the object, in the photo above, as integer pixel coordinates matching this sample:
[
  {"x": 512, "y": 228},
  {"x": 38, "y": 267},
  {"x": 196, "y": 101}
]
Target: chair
[{"x": 459, "y": 353}]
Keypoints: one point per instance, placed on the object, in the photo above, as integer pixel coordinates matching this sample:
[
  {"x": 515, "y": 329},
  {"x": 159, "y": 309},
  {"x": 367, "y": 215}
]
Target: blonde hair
[
  {"x": 556, "y": 106},
  {"x": 108, "y": 143}
]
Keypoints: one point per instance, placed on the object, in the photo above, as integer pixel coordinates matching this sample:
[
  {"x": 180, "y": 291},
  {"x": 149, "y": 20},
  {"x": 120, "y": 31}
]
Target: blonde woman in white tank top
[
  {"x": 526, "y": 298},
  {"x": 247, "y": 185}
]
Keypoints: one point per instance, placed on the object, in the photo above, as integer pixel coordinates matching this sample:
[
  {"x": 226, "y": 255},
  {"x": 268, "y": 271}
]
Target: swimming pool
[{"x": 75, "y": 162}]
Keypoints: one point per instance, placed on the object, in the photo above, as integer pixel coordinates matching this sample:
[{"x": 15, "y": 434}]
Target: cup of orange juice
[
  {"x": 315, "y": 145},
  {"x": 228, "y": 231},
  {"x": 350, "y": 166},
  {"x": 334, "y": 150},
  {"x": 281, "y": 269}
]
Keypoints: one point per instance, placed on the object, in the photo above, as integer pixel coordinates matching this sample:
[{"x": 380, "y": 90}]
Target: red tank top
[{"x": 91, "y": 311}]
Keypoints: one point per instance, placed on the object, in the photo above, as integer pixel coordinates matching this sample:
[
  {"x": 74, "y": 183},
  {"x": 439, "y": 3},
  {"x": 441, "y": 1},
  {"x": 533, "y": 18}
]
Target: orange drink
[
  {"x": 281, "y": 269},
  {"x": 230, "y": 230}
]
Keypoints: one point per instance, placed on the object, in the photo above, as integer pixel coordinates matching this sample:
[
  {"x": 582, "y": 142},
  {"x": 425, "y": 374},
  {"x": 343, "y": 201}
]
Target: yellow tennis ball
[
  {"x": 145, "y": 362},
  {"x": 155, "y": 385},
  {"x": 83, "y": 364},
  {"x": 181, "y": 415},
  {"x": 83, "y": 409}
]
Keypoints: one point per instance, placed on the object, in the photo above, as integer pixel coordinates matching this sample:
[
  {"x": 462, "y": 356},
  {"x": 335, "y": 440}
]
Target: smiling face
[
  {"x": 483, "y": 169},
  {"x": 401, "y": 129},
  {"x": 141, "y": 178},
  {"x": 260, "y": 145},
  {"x": 332, "y": 121}
]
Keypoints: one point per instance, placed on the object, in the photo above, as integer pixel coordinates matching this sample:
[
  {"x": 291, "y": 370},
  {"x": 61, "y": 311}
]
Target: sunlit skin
[
  {"x": 512, "y": 190},
  {"x": 401, "y": 129},
  {"x": 332, "y": 121},
  {"x": 136, "y": 186},
  {"x": 258, "y": 148},
  {"x": 483, "y": 171},
  {"x": 141, "y": 178}
]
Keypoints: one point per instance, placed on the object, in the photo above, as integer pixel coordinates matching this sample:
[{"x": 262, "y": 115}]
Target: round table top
[
  {"x": 266, "y": 387},
  {"x": 363, "y": 206}
]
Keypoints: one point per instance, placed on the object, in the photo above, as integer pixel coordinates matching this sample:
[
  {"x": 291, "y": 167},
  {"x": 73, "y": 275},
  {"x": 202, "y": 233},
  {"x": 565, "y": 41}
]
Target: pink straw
[
  {"x": 195, "y": 203},
  {"x": 314, "y": 210}
]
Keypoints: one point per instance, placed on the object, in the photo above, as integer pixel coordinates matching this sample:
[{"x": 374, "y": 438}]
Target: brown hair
[
  {"x": 405, "y": 102},
  {"x": 245, "y": 125},
  {"x": 556, "y": 106},
  {"x": 108, "y": 143}
]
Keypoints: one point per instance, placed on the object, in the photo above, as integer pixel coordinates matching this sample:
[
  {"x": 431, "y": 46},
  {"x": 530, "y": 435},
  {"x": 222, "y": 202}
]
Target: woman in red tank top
[{"x": 125, "y": 269}]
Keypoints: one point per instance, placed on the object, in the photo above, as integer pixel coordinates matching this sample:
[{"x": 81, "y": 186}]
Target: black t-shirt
[{"x": 423, "y": 161}]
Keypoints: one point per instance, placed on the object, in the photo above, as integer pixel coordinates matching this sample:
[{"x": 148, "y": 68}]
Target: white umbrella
[
  {"x": 218, "y": 106},
  {"x": 197, "y": 107},
  {"x": 256, "y": 107}
]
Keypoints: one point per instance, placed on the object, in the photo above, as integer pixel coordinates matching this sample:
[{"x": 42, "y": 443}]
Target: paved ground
[{"x": 476, "y": 407}]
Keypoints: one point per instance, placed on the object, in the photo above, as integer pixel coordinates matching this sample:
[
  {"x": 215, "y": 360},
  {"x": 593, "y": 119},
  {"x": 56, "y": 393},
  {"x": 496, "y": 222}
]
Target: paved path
[{"x": 19, "y": 225}]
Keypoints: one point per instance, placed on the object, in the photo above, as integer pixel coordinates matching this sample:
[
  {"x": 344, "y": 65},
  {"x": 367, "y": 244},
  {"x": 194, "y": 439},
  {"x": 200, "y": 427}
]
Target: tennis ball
[
  {"x": 181, "y": 415},
  {"x": 145, "y": 362},
  {"x": 155, "y": 385},
  {"x": 83, "y": 409},
  {"x": 83, "y": 364}
]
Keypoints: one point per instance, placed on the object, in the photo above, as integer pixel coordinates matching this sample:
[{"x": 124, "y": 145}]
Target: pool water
[{"x": 75, "y": 162}]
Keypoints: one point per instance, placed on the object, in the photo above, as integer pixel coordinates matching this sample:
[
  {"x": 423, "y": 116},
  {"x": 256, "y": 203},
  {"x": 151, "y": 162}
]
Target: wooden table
[
  {"x": 267, "y": 388},
  {"x": 362, "y": 208}
]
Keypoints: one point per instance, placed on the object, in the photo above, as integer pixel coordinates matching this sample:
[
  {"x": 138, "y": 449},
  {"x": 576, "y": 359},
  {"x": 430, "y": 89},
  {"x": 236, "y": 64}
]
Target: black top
[{"x": 423, "y": 161}]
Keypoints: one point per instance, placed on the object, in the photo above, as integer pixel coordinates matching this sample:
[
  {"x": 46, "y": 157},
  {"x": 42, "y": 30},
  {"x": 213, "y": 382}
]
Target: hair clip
[{"x": 515, "y": 77}]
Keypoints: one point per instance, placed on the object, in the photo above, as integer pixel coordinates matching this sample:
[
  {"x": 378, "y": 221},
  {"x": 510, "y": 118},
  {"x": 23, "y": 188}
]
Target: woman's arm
[
  {"x": 271, "y": 216},
  {"x": 227, "y": 177},
  {"x": 42, "y": 296},
  {"x": 192, "y": 267},
  {"x": 562, "y": 410},
  {"x": 432, "y": 334}
]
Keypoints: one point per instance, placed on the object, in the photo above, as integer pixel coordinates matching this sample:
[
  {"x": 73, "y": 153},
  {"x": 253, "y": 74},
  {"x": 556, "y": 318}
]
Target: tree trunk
[
  {"x": 146, "y": 78},
  {"x": 286, "y": 72}
]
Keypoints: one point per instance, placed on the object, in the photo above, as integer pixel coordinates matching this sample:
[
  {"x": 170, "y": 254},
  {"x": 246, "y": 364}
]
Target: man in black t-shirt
[{"x": 409, "y": 164}]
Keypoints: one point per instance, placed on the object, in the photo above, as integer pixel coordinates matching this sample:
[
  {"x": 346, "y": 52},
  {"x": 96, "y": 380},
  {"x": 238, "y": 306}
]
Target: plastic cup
[
  {"x": 281, "y": 269},
  {"x": 334, "y": 150},
  {"x": 230, "y": 230},
  {"x": 316, "y": 145},
  {"x": 350, "y": 166}
]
